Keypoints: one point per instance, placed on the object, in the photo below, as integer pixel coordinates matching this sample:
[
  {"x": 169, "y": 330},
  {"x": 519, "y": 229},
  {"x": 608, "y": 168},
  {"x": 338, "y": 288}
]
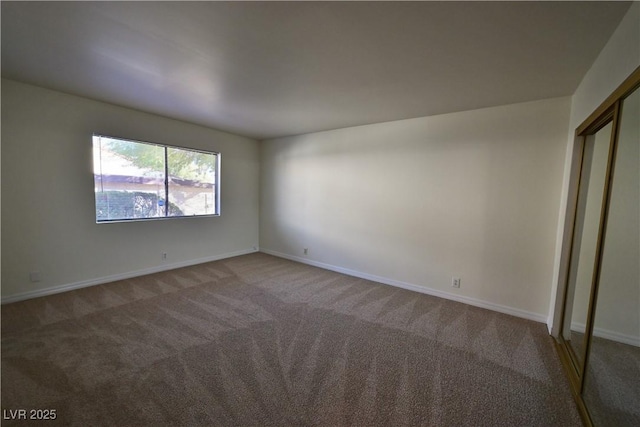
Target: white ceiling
[{"x": 268, "y": 69}]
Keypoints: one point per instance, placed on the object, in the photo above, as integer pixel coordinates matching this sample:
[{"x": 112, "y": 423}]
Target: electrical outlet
[
  {"x": 306, "y": 251},
  {"x": 164, "y": 256},
  {"x": 34, "y": 276},
  {"x": 455, "y": 282}
]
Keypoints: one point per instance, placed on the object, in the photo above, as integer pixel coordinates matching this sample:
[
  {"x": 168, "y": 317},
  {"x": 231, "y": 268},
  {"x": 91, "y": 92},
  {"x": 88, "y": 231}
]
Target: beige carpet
[
  {"x": 612, "y": 389},
  {"x": 261, "y": 341}
]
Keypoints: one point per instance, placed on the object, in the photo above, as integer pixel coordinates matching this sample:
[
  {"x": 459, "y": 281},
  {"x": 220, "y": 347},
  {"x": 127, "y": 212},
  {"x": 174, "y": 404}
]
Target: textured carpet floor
[
  {"x": 612, "y": 390},
  {"x": 258, "y": 341}
]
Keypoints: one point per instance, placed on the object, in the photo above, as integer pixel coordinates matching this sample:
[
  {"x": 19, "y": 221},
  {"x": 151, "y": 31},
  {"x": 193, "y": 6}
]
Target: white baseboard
[
  {"x": 608, "y": 334},
  {"x": 122, "y": 276},
  {"x": 417, "y": 288}
]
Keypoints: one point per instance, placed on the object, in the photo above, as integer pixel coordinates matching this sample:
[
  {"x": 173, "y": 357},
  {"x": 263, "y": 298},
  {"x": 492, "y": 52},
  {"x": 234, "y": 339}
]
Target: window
[{"x": 139, "y": 180}]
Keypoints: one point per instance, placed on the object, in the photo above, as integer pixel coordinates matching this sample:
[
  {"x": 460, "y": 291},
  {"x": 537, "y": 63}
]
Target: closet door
[
  {"x": 599, "y": 340},
  {"x": 588, "y": 227},
  {"x": 611, "y": 388}
]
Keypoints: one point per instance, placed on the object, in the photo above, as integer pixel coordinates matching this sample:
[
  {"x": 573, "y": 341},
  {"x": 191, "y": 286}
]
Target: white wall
[
  {"x": 617, "y": 60},
  {"x": 48, "y": 212},
  {"x": 415, "y": 202}
]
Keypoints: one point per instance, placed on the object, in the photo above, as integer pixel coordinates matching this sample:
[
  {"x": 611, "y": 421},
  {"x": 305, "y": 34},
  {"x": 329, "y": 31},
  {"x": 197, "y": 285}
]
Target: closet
[{"x": 599, "y": 340}]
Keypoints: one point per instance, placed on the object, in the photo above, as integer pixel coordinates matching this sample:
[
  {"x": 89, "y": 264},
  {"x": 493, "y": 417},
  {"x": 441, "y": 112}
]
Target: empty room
[{"x": 320, "y": 213}]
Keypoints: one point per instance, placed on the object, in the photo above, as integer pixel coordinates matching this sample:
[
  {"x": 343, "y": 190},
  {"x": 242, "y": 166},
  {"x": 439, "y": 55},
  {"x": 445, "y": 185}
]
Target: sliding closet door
[
  {"x": 612, "y": 376},
  {"x": 599, "y": 340},
  {"x": 586, "y": 237}
]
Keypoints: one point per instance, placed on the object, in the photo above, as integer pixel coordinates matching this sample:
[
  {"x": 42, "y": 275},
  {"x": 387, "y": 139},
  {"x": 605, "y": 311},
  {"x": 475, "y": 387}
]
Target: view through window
[{"x": 136, "y": 180}]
